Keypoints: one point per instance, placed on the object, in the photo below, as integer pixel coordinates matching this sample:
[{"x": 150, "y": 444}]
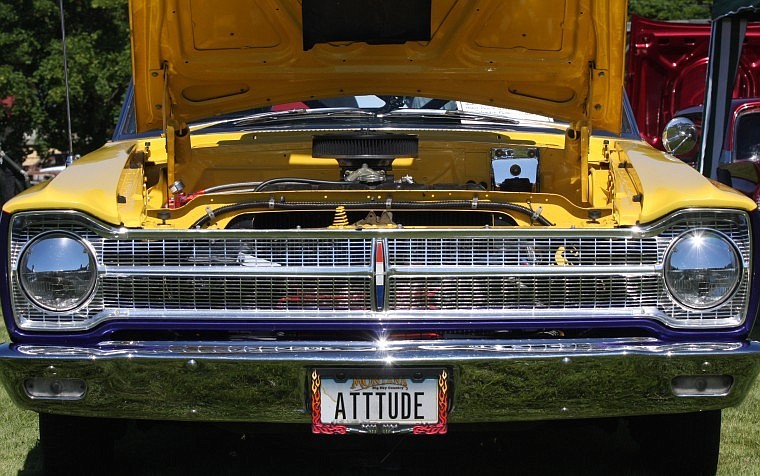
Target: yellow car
[{"x": 379, "y": 217}]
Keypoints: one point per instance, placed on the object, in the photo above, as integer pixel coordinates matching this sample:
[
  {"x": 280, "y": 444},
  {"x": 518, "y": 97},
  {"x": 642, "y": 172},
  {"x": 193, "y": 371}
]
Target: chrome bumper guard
[{"x": 492, "y": 381}]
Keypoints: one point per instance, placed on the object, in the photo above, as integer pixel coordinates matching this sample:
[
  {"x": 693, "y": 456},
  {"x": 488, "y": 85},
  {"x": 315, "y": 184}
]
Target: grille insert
[{"x": 236, "y": 294}]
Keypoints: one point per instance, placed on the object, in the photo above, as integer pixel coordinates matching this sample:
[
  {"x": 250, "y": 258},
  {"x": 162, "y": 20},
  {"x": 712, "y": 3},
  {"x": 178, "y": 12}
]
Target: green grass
[
  {"x": 740, "y": 438},
  {"x": 18, "y": 438},
  {"x": 18, "y": 434},
  {"x": 203, "y": 450}
]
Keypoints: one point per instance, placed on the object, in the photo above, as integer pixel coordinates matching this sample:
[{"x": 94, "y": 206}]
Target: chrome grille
[
  {"x": 234, "y": 252},
  {"x": 219, "y": 293},
  {"x": 523, "y": 293},
  {"x": 522, "y": 251},
  {"x": 503, "y": 273}
]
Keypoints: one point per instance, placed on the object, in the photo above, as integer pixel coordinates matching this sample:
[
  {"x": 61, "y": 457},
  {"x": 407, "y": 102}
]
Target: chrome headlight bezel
[
  {"x": 71, "y": 280},
  {"x": 713, "y": 258}
]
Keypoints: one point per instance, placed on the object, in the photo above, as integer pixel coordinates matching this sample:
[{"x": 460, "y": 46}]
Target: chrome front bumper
[{"x": 267, "y": 381}]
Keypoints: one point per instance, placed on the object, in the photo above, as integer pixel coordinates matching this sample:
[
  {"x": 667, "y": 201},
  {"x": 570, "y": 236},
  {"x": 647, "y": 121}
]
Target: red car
[
  {"x": 667, "y": 67},
  {"x": 665, "y": 80}
]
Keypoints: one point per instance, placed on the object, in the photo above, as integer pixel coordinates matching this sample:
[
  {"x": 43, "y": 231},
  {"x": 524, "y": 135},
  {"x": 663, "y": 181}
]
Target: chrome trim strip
[
  {"x": 585, "y": 270},
  {"x": 401, "y": 315},
  {"x": 269, "y": 271},
  {"x": 410, "y": 271}
]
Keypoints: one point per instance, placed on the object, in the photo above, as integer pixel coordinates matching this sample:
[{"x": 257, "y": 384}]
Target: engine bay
[{"x": 358, "y": 179}]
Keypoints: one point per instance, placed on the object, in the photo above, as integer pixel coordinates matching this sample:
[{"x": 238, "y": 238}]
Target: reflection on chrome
[{"x": 647, "y": 345}]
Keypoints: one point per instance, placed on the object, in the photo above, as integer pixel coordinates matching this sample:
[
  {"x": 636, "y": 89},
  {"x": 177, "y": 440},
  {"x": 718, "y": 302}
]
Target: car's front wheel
[
  {"x": 683, "y": 443},
  {"x": 77, "y": 445}
]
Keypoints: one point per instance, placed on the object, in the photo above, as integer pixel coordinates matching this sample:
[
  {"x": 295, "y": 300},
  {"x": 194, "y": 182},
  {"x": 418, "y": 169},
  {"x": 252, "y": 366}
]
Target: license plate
[{"x": 379, "y": 401}]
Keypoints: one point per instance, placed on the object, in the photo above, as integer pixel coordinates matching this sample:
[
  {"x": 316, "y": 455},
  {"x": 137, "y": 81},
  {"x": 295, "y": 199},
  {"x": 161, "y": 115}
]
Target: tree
[
  {"x": 31, "y": 72},
  {"x": 671, "y": 9}
]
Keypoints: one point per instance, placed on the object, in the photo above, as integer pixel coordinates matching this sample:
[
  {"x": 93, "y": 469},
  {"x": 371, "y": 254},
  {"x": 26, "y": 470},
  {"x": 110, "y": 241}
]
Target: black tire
[
  {"x": 684, "y": 443},
  {"x": 77, "y": 445}
]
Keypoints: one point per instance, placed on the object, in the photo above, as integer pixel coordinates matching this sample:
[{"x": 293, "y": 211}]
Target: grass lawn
[
  {"x": 18, "y": 434},
  {"x": 146, "y": 452}
]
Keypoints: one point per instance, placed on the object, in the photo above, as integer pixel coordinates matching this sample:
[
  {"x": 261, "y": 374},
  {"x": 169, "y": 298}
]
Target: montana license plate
[{"x": 379, "y": 401}]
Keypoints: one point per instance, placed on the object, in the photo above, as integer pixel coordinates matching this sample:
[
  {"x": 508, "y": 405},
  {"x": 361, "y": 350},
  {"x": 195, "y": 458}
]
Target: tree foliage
[
  {"x": 31, "y": 71},
  {"x": 671, "y": 9}
]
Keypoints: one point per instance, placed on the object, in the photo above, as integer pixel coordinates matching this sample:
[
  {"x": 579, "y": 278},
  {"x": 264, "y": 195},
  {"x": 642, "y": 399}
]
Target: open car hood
[
  {"x": 667, "y": 67},
  {"x": 561, "y": 58}
]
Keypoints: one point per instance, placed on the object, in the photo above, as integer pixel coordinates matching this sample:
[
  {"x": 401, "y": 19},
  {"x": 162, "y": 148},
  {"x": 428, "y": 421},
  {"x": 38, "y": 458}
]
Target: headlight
[
  {"x": 702, "y": 269},
  {"x": 57, "y": 271}
]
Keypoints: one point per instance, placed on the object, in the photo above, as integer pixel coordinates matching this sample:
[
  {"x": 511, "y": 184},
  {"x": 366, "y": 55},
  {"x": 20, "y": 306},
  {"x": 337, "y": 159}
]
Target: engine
[{"x": 366, "y": 163}]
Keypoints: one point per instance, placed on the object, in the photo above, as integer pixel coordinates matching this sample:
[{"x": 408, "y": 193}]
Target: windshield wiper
[
  {"x": 354, "y": 113},
  {"x": 448, "y": 115},
  {"x": 299, "y": 114}
]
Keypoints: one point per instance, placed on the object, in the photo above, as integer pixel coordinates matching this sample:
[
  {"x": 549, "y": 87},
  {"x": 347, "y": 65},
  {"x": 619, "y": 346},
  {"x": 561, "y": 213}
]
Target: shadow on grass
[
  {"x": 148, "y": 448},
  {"x": 33, "y": 463}
]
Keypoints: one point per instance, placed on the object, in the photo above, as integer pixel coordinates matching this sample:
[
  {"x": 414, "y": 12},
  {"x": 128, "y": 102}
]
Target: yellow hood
[{"x": 561, "y": 58}]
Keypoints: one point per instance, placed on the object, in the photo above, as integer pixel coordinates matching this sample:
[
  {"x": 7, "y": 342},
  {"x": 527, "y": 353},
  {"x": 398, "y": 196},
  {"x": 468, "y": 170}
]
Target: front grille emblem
[{"x": 379, "y": 274}]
